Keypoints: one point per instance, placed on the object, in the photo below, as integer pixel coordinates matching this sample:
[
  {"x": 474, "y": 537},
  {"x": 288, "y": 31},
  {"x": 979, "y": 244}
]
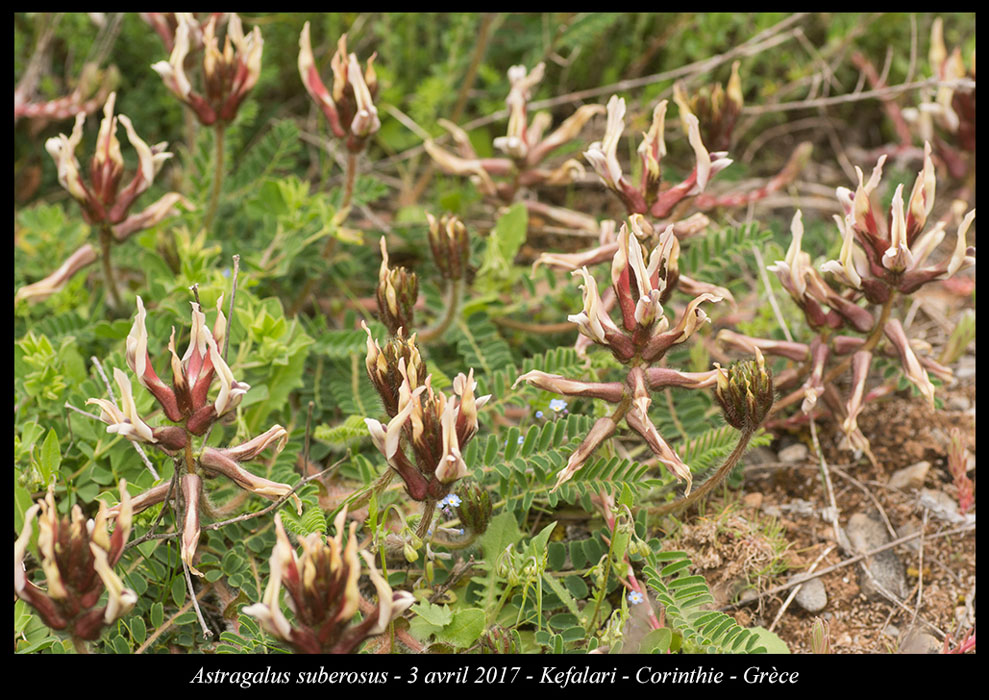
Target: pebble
[
  {"x": 920, "y": 643},
  {"x": 796, "y": 452},
  {"x": 910, "y": 478},
  {"x": 958, "y": 403},
  {"x": 752, "y": 500},
  {"x": 966, "y": 367},
  {"x": 892, "y": 631},
  {"x": 865, "y": 533},
  {"x": 812, "y": 596},
  {"x": 942, "y": 506}
]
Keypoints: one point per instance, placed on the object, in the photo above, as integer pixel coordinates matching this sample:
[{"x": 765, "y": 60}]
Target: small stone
[
  {"x": 867, "y": 532},
  {"x": 812, "y": 596},
  {"x": 966, "y": 367},
  {"x": 910, "y": 478},
  {"x": 943, "y": 506},
  {"x": 958, "y": 403},
  {"x": 752, "y": 500},
  {"x": 747, "y": 595},
  {"x": 919, "y": 643},
  {"x": 796, "y": 452},
  {"x": 892, "y": 631}
]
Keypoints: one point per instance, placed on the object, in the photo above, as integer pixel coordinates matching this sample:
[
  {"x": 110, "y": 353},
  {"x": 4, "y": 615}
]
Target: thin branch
[
  {"x": 170, "y": 621},
  {"x": 276, "y": 504},
  {"x": 832, "y": 512},
  {"x": 796, "y": 589},
  {"x": 769, "y": 292},
  {"x": 965, "y": 84},
  {"x": 848, "y": 562},
  {"x": 230, "y": 306},
  {"x": 207, "y": 632}
]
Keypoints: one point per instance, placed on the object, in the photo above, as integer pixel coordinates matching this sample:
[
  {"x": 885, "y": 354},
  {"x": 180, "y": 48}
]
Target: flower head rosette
[
  {"x": 349, "y": 105},
  {"x": 651, "y": 196},
  {"x": 716, "y": 107},
  {"x": 322, "y": 587},
  {"x": 77, "y": 558},
  {"x": 102, "y": 199},
  {"x": 166, "y": 25},
  {"x": 882, "y": 254},
  {"x": 186, "y": 403},
  {"x": 525, "y": 145},
  {"x": 228, "y": 75},
  {"x": 434, "y": 427},
  {"x": 951, "y": 107},
  {"x": 642, "y": 281}
]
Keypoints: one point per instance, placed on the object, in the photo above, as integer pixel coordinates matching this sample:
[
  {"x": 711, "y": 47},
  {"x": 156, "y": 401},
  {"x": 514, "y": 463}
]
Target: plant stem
[
  {"x": 106, "y": 243},
  {"x": 214, "y": 199},
  {"x": 454, "y": 291},
  {"x": 875, "y": 335},
  {"x": 708, "y": 486},
  {"x": 427, "y": 518},
  {"x": 348, "y": 196}
]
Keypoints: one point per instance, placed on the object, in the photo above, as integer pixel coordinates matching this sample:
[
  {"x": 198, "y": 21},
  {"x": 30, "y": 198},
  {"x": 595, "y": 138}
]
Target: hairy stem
[
  {"x": 106, "y": 243},
  {"x": 875, "y": 335},
  {"x": 214, "y": 199},
  {"x": 708, "y": 486},
  {"x": 454, "y": 291},
  {"x": 427, "y": 518}
]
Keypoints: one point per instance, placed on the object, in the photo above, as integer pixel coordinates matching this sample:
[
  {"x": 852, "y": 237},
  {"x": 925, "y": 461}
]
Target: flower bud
[
  {"x": 474, "y": 510},
  {"x": 322, "y": 586},
  {"x": 397, "y": 292},
  {"x": 228, "y": 75},
  {"x": 716, "y": 108},
  {"x": 498, "y": 640},
  {"x": 349, "y": 107},
  {"x": 450, "y": 245},
  {"x": 745, "y": 392},
  {"x": 77, "y": 558}
]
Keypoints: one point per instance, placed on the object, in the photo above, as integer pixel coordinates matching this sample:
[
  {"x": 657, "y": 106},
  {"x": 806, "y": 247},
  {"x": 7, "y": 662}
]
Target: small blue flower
[
  {"x": 539, "y": 414},
  {"x": 557, "y": 405},
  {"x": 521, "y": 439},
  {"x": 451, "y": 500},
  {"x": 634, "y": 597},
  {"x": 460, "y": 531}
]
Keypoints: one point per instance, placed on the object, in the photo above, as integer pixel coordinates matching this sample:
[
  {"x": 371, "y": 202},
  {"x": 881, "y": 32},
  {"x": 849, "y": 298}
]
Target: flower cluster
[
  {"x": 228, "y": 75},
  {"x": 396, "y": 293},
  {"x": 435, "y": 427},
  {"x": 322, "y": 587},
  {"x": 349, "y": 106},
  {"x": 952, "y": 109},
  {"x": 186, "y": 404},
  {"x": 91, "y": 91},
  {"x": 651, "y": 195},
  {"x": 524, "y": 145},
  {"x": 77, "y": 558},
  {"x": 891, "y": 251},
  {"x": 882, "y": 257},
  {"x": 450, "y": 245},
  {"x": 166, "y": 26},
  {"x": 716, "y": 108},
  {"x": 642, "y": 282},
  {"x": 103, "y": 201}
]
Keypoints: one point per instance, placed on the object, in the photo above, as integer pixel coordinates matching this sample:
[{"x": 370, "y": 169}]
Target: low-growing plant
[{"x": 535, "y": 475}]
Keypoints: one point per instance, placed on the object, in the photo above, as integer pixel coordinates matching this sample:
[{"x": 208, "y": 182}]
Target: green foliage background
[{"x": 282, "y": 191}]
